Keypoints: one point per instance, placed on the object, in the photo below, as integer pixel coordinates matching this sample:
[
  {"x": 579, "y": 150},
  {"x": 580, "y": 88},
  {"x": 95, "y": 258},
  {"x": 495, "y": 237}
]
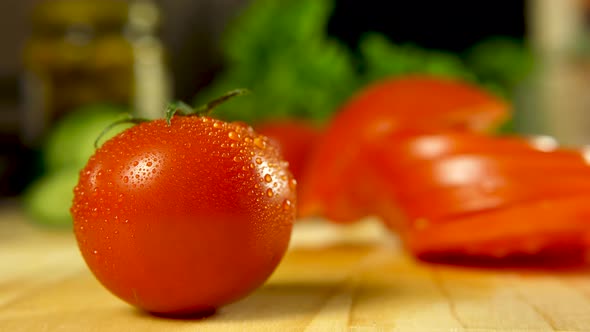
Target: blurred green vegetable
[
  {"x": 71, "y": 142},
  {"x": 383, "y": 59},
  {"x": 48, "y": 199},
  {"x": 280, "y": 51},
  {"x": 501, "y": 63}
]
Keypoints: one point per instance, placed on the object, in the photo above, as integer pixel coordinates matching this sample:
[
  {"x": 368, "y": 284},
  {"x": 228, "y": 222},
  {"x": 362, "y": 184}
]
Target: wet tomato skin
[
  {"x": 184, "y": 218},
  {"x": 296, "y": 140}
]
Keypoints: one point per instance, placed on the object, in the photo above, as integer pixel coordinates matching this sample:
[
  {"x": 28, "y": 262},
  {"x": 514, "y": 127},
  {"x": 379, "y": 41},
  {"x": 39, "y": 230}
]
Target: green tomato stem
[
  {"x": 184, "y": 109},
  {"x": 128, "y": 119}
]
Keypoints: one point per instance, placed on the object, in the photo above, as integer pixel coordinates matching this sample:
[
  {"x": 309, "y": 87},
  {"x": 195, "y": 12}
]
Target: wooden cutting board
[{"x": 333, "y": 279}]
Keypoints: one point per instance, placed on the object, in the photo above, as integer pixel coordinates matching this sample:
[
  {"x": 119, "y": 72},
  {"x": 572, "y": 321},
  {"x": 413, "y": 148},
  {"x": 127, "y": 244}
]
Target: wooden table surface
[{"x": 331, "y": 280}]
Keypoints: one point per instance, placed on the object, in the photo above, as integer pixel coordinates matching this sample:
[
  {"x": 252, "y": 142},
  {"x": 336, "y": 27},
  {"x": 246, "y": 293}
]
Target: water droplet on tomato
[
  {"x": 259, "y": 142},
  {"x": 293, "y": 184},
  {"x": 259, "y": 160},
  {"x": 234, "y": 136},
  {"x": 237, "y": 159},
  {"x": 135, "y": 163},
  {"x": 217, "y": 125},
  {"x": 286, "y": 205},
  {"x": 248, "y": 140},
  {"x": 267, "y": 178},
  {"x": 149, "y": 164},
  {"x": 269, "y": 192}
]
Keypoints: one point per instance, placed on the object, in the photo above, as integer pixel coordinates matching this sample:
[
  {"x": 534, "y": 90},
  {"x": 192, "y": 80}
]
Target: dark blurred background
[
  {"x": 61, "y": 56},
  {"x": 448, "y": 25}
]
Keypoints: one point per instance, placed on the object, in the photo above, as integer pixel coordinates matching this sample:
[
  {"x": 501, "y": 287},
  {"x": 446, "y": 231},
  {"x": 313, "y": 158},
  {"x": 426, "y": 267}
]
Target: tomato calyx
[
  {"x": 174, "y": 108},
  {"x": 186, "y": 110}
]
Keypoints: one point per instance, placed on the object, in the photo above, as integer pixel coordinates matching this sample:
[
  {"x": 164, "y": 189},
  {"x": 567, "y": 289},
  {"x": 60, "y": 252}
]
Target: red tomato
[
  {"x": 457, "y": 196},
  {"x": 336, "y": 177},
  {"x": 455, "y": 201},
  {"x": 473, "y": 169},
  {"x": 430, "y": 177},
  {"x": 545, "y": 226},
  {"x": 410, "y": 147},
  {"x": 184, "y": 218}
]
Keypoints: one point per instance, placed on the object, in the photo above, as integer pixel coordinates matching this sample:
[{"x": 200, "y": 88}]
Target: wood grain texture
[{"x": 350, "y": 279}]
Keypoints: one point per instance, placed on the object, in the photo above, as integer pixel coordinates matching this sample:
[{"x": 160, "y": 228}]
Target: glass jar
[
  {"x": 91, "y": 51},
  {"x": 556, "y": 101}
]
